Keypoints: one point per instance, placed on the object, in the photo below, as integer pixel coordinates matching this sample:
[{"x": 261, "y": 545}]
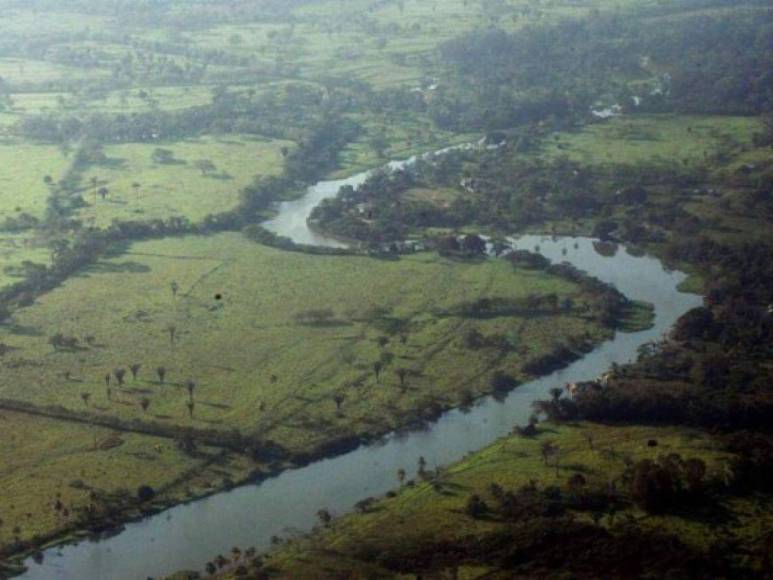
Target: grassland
[
  {"x": 433, "y": 513},
  {"x": 178, "y": 187},
  {"x": 654, "y": 139},
  {"x": 48, "y": 460},
  {"x": 21, "y": 182},
  {"x": 135, "y": 100},
  {"x": 23, "y": 191},
  {"x": 17, "y": 248},
  {"x": 402, "y": 137},
  {"x": 21, "y": 71},
  {"x": 256, "y": 366}
]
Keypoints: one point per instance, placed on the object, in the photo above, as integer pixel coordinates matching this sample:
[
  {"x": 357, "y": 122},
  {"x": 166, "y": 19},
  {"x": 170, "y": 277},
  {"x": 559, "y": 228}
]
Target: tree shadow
[
  {"x": 578, "y": 467},
  {"x": 332, "y": 323},
  {"x": 21, "y": 330},
  {"x": 221, "y": 406},
  {"x": 128, "y": 267},
  {"x": 221, "y": 176},
  {"x": 212, "y": 421},
  {"x": 117, "y": 249},
  {"x": 136, "y": 391},
  {"x": 113, "y": 163}
]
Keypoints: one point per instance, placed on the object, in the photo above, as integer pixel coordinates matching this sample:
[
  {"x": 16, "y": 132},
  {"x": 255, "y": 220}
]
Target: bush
[
  {"x": 476, "y": 507},
  {"x": 145, "y": 493}
]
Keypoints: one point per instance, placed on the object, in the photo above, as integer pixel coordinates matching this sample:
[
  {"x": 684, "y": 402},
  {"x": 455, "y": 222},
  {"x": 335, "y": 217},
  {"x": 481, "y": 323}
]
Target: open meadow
[
  {"x": 274, "y": 342},
  {"x": 190, "y": 179},
  {"x": 77, "y": 468},
  {"x": 22, "y": 185},
  {"x": 654, "y": 139}
]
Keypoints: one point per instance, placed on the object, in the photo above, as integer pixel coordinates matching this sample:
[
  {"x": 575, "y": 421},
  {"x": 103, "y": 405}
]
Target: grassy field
[
  {"x": 23, "y": 191},
  {"x": 47, "y": 460},
  {"x": 421, "y": 514},
  {"x": 16, "y": 248},
  {"x": 387, "y": 49},
  {"x": 178, "y": 188},
  {"x": 258, "y": 367},
  {"x": 653, "y": 139},
  {"x": 21, "y": 179},
  {"x": 135, "y": 100},
  {"x": 402, "y": 138},
  {"x": 21, "y": 70}
]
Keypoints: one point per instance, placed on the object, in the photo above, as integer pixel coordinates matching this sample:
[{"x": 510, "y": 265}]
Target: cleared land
[
  {"x": 24, "y": 166},
  {"x": 248, "y": 331},
  {"x": 392, "y": 138},
  {"x": 140, "y": 188},
  {"x": 52, "y": 469},
  {"x": 15, "y": 249},
  {"x": 654, "y": 139}
]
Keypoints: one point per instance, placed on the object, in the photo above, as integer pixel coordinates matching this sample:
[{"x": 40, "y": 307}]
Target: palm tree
[
  {"x": 135, "y": 369},
  {"x": 324, "y": 517},
  {"x": 422, "y": 464},
  {"x": 94, "y": 182},
  {"x": 161, "y": 372},
  {"x": 401, "y": 475},
  {"x": 402, "y": 373},
  {"x": 556, "y": 393},
  {"x": 172, "y": 330},
  {"x": 339, "y": 399},
  {"x": 107, "y": 380},
  {"x": 191, "y": 386},
  {"x": 86, "y": 397},
  {"x": 144, "y": 403},
  {"x": 175, "y": 287},
  {"x": 377, "y": 366},
  {"x": 119, "y": 375},
  {"x": 547, "y": 449}
]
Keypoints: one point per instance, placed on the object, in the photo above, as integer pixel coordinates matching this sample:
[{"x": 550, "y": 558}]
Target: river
[{"x": 187, "y": 536}]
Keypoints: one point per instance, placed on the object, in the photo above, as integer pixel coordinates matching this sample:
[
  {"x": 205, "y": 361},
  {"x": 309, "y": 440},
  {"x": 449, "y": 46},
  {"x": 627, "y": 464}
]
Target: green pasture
[{"x": 257, "y": 365}]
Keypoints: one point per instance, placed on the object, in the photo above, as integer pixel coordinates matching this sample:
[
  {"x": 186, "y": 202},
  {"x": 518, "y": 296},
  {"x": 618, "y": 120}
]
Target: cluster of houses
[{"x": 583, "y": 387}]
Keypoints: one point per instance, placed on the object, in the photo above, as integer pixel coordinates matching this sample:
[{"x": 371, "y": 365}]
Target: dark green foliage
[{"x": 145, "y": 493}]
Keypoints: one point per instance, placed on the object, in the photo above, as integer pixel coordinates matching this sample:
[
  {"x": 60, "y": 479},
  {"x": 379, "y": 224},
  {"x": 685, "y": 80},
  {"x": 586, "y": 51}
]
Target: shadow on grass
[
  {"x": 128, "y": 267},
  {"x": 222, "y": 176},
  {"x": 221, "y": 406},
  {"x": 20, "y": 330}
]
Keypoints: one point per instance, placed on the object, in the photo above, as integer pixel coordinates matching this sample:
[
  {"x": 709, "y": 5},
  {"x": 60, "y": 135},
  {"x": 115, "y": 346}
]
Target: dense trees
[
  {"x": 657, "y": 486},
  {"x": 714, "y": 63}
]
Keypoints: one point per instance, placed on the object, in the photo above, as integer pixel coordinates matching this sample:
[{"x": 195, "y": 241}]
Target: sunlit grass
[{"x": 247, "y": 350}]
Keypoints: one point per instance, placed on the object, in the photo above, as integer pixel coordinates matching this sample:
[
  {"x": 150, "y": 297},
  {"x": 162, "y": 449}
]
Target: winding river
[{"x": 187, "y": 536}]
